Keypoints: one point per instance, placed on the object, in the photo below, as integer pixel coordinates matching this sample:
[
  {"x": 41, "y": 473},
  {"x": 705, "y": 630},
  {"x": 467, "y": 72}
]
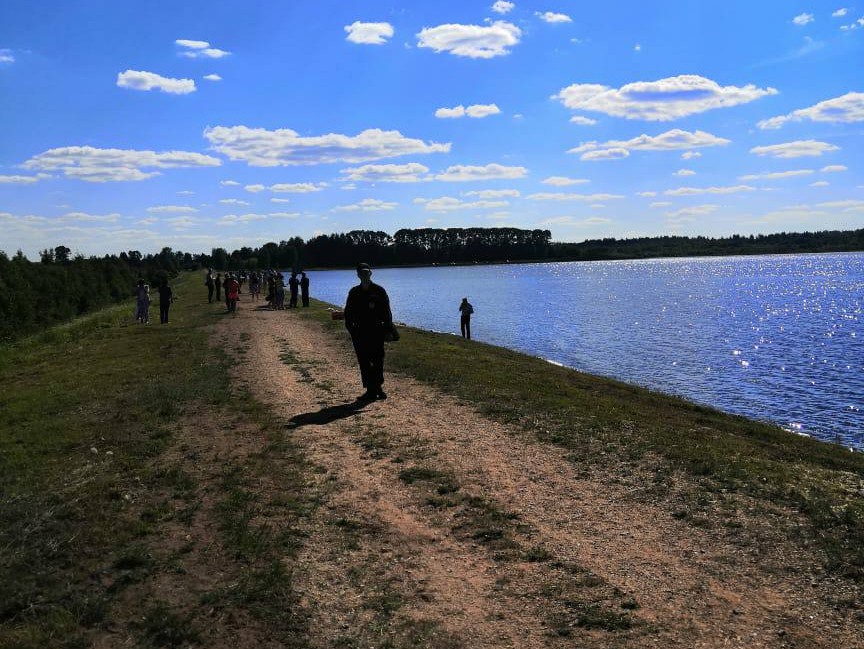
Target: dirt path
[{"x": 438, "y": 527}]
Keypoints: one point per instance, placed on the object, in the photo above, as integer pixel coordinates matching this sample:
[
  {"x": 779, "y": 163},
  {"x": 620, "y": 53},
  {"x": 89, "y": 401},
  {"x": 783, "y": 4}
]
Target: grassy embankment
[
  {"x": 704, "y": 463},
  {"x": 91, "y": 480},
  {"x": 82, "y": 529}
]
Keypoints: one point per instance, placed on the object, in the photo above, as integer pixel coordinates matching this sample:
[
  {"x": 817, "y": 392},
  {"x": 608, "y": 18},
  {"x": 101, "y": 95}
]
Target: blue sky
[{"x": 138, "y": 125}]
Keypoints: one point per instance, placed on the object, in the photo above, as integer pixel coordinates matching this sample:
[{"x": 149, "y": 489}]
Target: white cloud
[
  {"x": 502, "y": 7},
  {"x": 797, "y": 149},
  {"x": 199, "y": 50},
  {"x": 616, "y": 153},
  {"x": 369, "y": 33},
  {"x": 563, "y": 181},
  {"x": 845, "y": 206},
  {"x": 6, "y": 56},
  {"x": 777, "y": 175},
  {"x": 476, "y": 111},
  {"x": 696, "y": 210},
  {"x": 473, "y": 41},
  {"x": 646, "y": 194},
  {"x": 464, "y": 173},
  {"x": 858, "y": 24},
  {"x": 229, "y": 183},
  {"x": 840, "y": 13},
  {"x": 212, "y": 77},
  {"x": 684, "y": 172},
  {"x": 833, "y": 169},
  {"x": 802, "y": 19},
  {"x": 367, "y": 205},
  {"x": 494, "y": 193},
  {"x": 844, "y": 110},
  {"x": 84, "y": 217},
  {"x": 185, "y": 192},
  {"x": 260, "y": 147},
  {"x": 582, "y": 121},
  {"x": 668, "y": 141},
  {"x": 570, "y": 220},
  {"x": 688, "y": 155},
  {"x": 103, "y": 165},
  {"x": 820, "y": 183},
  {"x": 18, "y": 180},
  {"x": 297, "y": 188},
  {"x": 171, "y": 209},
  {"x": 233, "y": 201},
  {"x": 449, "y": 204},
  {"x": 411, "y": 172},
  {"x": 661, "y": 100},
  {"x": 551, "y": 17},
  {"x": 561, "y": 196},
  {"x": 698, "y": 191},
  {"x": 280, "y": 200},
  {"x": 140, "y": 80},
  {"x": 637, "y": 48},
  {"x": 255, "y": 188},
  {"x": 657, "y": 204}
]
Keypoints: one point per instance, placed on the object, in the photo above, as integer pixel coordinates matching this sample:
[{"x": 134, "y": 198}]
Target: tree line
[{"x": 35, "y": 295}]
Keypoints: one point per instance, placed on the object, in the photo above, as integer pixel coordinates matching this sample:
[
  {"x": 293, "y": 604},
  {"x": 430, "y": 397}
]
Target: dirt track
[{"x": 438, "y": 527}]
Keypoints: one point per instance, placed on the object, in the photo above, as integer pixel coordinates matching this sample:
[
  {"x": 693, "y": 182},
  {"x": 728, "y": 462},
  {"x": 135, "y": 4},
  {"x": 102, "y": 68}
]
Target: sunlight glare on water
[{"x": 776, "y": 338}]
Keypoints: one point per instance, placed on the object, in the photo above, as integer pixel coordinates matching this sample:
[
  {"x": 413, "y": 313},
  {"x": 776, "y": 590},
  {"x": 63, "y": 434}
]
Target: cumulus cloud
[
  {"x": 233, "y": 201},
  {"x": 802, "y": 19},
  {"x": 171, "y": 209},
  {"x": 851, "y": 205},
  {"x": 494, "y": 193},
  {"x": 297, "y": 188},
  {"x": 845, "y": 110},
  {"x": 684, "y": 172},
  {"x": 476, "y": 110},
  {"x": 662, "y": 100},
  {"x": 688, "y": 155},
  {"x": 140, "y": 80},
  {"x": 777, "y": 175},
  {"x": 696, "y": 210},
  {"x": 657, "y": 204},
  {"x": 260, "y": 147},
  {"x": 84, "y": 217},
  {"x": 18, "y": 180},
  {"x": 797, "y": 149},
  {"x": 473, "y": 41},
  {"x": 199, "y": 50},
  {"x": 212, "y": 77},
  {"x": 582, "y": 121},
  {"x": 833, "y": 169},
  {"x": 6, "y": 56},
  {"x": 563, "y": 181},
  {"x": 464, "y": 173},
  {"x": 552, "y": 17},
  {"x": 367, "y": 205},
  {"x": 698, "y": 191},
  {"x": 411, "y": 172},
  {"x": 646, "y": 194},
  {"x": 840, "y": 13},
  {"x": 820, "y": 183},
  {"x": 450, "y": 204},
  {"x": 369, "y": 33},
  {"x": 280, "y": 200},
  {"x": 502, "y": 7},
  {"x": 229, "y": 183},
  {"x": 104, "y": 165},
  {"x": 668, "y": 141},
  {"x": 562, "y": 196}
]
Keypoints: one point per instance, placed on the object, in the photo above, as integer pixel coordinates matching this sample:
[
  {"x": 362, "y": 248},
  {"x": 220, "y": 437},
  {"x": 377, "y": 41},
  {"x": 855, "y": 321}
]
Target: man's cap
[{"x": 363, "y": 266}]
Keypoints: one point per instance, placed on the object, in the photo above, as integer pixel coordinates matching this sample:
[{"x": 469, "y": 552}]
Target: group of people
[
  {"x": 142, "y": 301},
  {"x": 232, "y": 285}
]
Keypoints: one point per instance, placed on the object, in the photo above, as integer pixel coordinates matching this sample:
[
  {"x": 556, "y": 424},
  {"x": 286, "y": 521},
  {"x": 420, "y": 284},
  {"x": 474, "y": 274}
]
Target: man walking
[{"x": 368, "y": 318}]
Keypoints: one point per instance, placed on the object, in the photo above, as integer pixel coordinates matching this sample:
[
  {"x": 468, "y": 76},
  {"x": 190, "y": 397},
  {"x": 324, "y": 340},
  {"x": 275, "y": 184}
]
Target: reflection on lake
[{"x": 777, "y": 338}]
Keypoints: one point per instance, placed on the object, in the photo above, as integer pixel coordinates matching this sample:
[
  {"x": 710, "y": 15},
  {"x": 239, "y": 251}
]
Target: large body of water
[{"x": 777, "y": 338}]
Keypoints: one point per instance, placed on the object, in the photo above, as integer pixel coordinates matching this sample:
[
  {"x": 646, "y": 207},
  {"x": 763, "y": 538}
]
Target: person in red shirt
[{"x": 232, "y": 293}]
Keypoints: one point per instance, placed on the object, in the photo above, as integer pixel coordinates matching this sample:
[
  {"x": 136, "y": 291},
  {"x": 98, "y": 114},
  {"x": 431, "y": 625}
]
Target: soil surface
[{"x": 438, "y": 527}]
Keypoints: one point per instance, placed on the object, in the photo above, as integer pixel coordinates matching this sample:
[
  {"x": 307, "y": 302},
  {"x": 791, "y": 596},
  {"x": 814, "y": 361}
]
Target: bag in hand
[{"x": 391, "y": 335}]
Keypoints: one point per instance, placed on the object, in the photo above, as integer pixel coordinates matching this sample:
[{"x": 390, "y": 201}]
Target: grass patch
[{"x": 604, "y": 423}]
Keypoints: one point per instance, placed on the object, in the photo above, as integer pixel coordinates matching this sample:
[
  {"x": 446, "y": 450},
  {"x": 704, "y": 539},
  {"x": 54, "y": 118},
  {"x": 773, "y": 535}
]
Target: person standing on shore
[
  {"x": 208, "y": 281},
  {"x": 293, "y": 285},
  {"x": 466, "y": 310},
  {"x": 368, "y": 318},
  {"x": 304, "y": 289},
  {"x": 166, "y": 297}
]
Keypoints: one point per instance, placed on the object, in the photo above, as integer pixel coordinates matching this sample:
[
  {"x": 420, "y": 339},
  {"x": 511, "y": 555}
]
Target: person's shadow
[{"x": 327, "y": 415}]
